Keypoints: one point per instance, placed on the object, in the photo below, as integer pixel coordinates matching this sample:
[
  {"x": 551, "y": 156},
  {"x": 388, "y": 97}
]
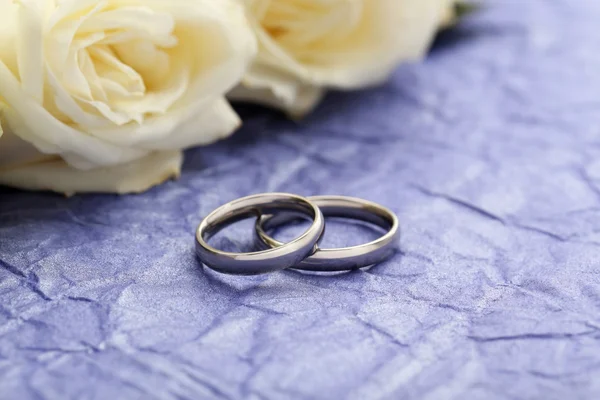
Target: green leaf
[
  {"x": 460, "y": 10},
  {"x": 464, "y": 8}
]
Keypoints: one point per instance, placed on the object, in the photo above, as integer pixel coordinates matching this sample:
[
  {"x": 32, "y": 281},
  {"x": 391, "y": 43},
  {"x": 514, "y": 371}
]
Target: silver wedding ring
[
  {"x": 346, "y": 258},
  {"x": 275, "y": 209},
  {"x": 264, "y": 261}
]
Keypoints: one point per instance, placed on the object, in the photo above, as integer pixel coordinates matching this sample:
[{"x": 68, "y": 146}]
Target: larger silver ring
[
  {"x": 347, "y": 258},
  {"x": 259, "y": 262}
]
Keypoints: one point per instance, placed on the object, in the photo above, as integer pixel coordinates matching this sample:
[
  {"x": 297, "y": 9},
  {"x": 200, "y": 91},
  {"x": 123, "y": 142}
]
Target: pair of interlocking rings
[{"x": 303, "y": 253}]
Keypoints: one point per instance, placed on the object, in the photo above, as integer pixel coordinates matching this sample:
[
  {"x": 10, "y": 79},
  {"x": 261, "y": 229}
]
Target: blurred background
[{"x": 488, "y": 151}]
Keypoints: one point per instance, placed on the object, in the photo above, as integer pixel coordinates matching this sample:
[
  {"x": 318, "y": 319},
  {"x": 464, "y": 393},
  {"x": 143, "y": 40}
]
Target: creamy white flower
[
  {"x": 308, "y": 45},
  {"x": 107, "y": 82}
]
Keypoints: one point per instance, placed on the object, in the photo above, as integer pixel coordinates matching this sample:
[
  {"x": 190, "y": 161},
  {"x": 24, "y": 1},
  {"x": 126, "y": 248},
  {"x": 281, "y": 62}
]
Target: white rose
[
  {"x": 102, "y": 83},
  {"x": 308, "y": 45}
]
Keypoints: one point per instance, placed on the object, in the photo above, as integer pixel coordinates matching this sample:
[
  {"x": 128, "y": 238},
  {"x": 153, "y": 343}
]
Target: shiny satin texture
[{"x": 489, "y": 154}]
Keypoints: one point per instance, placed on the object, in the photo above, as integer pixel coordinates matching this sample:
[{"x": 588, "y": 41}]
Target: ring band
[
  {"x": 347, "y": 258},
  {"x": 259, "y": 262}
]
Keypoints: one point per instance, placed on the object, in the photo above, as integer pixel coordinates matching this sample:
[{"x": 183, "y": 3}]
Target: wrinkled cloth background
[{"x": 490, "y": 154}]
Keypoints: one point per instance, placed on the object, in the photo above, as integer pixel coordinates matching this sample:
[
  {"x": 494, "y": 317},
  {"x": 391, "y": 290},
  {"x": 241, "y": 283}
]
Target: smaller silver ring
[
  {"x": 265, "y": 261},
  {"x": 346, "y": 258}
]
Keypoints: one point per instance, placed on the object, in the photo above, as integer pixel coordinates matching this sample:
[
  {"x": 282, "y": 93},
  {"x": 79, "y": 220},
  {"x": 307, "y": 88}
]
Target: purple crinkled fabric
[{"x": 489, "y": 152}]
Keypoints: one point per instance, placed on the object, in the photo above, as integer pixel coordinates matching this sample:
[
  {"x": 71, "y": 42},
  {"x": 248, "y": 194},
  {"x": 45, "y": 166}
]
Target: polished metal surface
[
  {"x": 265, "y": 261},
  {"x": 347, "y": 258}
]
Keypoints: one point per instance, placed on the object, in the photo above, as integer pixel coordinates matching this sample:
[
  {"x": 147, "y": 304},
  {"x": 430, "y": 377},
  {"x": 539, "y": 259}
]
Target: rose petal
[
  {"x": 29, "y": 48},
  {"x": 217, "y": 120},
  {"x": 178, "y": 129},
  {"x": 58, "y": 176},
  {"x": 61, "y": 32},
  {"x": 8, "y": 32},
  {"x": 68, "y": 105},
  {"x": 274, "y": 88},
  {"x": 157, "y": 27},
  {"x": 162, "y": 98}
]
